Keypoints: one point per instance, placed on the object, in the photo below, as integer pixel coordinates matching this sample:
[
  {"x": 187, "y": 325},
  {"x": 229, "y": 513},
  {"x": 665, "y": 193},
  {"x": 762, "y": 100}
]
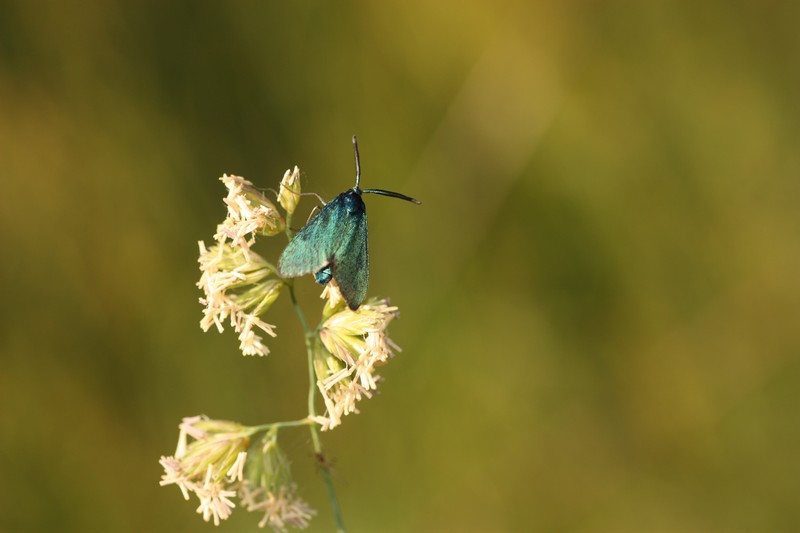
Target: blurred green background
[{"x": 599, "y": 296}]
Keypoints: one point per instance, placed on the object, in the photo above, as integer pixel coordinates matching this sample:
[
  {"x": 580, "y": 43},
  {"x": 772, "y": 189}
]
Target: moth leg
[
  {"x": 313, "y": 212},
  {"x": 323, "y": 202}
]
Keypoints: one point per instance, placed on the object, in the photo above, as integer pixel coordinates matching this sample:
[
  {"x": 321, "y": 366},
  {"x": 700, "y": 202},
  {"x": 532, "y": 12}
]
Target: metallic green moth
[{"x": 334, "y": 243}]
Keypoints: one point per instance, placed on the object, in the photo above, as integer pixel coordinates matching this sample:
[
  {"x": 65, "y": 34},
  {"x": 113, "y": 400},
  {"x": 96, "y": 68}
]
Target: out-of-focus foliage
[{"x": 599, "y": 296}]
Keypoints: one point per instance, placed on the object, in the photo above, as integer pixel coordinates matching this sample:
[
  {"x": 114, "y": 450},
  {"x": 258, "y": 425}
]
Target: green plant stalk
[
  {"x": 252, "y": 430},
  {"x": 312, "y": 389}
]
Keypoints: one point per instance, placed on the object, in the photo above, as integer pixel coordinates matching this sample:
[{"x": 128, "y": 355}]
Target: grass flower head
[
  {"x": 208, "y": 461},
  {"x": 268, "y": 488},
  {"x": 353, "y": 345}
]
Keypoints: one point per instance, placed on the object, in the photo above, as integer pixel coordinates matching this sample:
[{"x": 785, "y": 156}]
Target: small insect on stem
[
  {"x": 333, "y": 245},
  {"x": 323, "y": 461}
]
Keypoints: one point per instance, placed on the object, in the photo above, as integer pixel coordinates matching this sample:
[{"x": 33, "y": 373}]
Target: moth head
[{"x": 352, "y": 201}]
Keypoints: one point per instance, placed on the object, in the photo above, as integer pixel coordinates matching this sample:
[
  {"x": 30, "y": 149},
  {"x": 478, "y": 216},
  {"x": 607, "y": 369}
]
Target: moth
[{"x": 333, "y": 244}]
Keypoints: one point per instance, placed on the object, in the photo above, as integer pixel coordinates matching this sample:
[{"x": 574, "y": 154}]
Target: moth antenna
[
  {"x": 358, "y": 162},
  {"x": 393, "y": 195}
]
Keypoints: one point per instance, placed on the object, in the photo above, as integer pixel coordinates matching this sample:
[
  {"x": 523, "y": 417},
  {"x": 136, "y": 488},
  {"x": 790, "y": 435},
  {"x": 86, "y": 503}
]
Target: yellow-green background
[{"x": 599, "y": 296}]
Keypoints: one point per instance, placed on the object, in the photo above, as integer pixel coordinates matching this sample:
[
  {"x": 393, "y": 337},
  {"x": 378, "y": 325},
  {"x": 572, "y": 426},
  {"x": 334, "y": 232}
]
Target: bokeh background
[{"x": 599, "y": 297}]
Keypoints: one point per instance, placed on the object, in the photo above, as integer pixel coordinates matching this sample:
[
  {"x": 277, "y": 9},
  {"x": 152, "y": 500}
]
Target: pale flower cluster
[
  {"x": 237, "y": 286},
  {"x": 210, "y": 466},
  {"x": 282, "y": 507},
  {"x": 236, "y": 281},
  {"x": 249, "y": 213},
  {"x": 353, "y": 345}
]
